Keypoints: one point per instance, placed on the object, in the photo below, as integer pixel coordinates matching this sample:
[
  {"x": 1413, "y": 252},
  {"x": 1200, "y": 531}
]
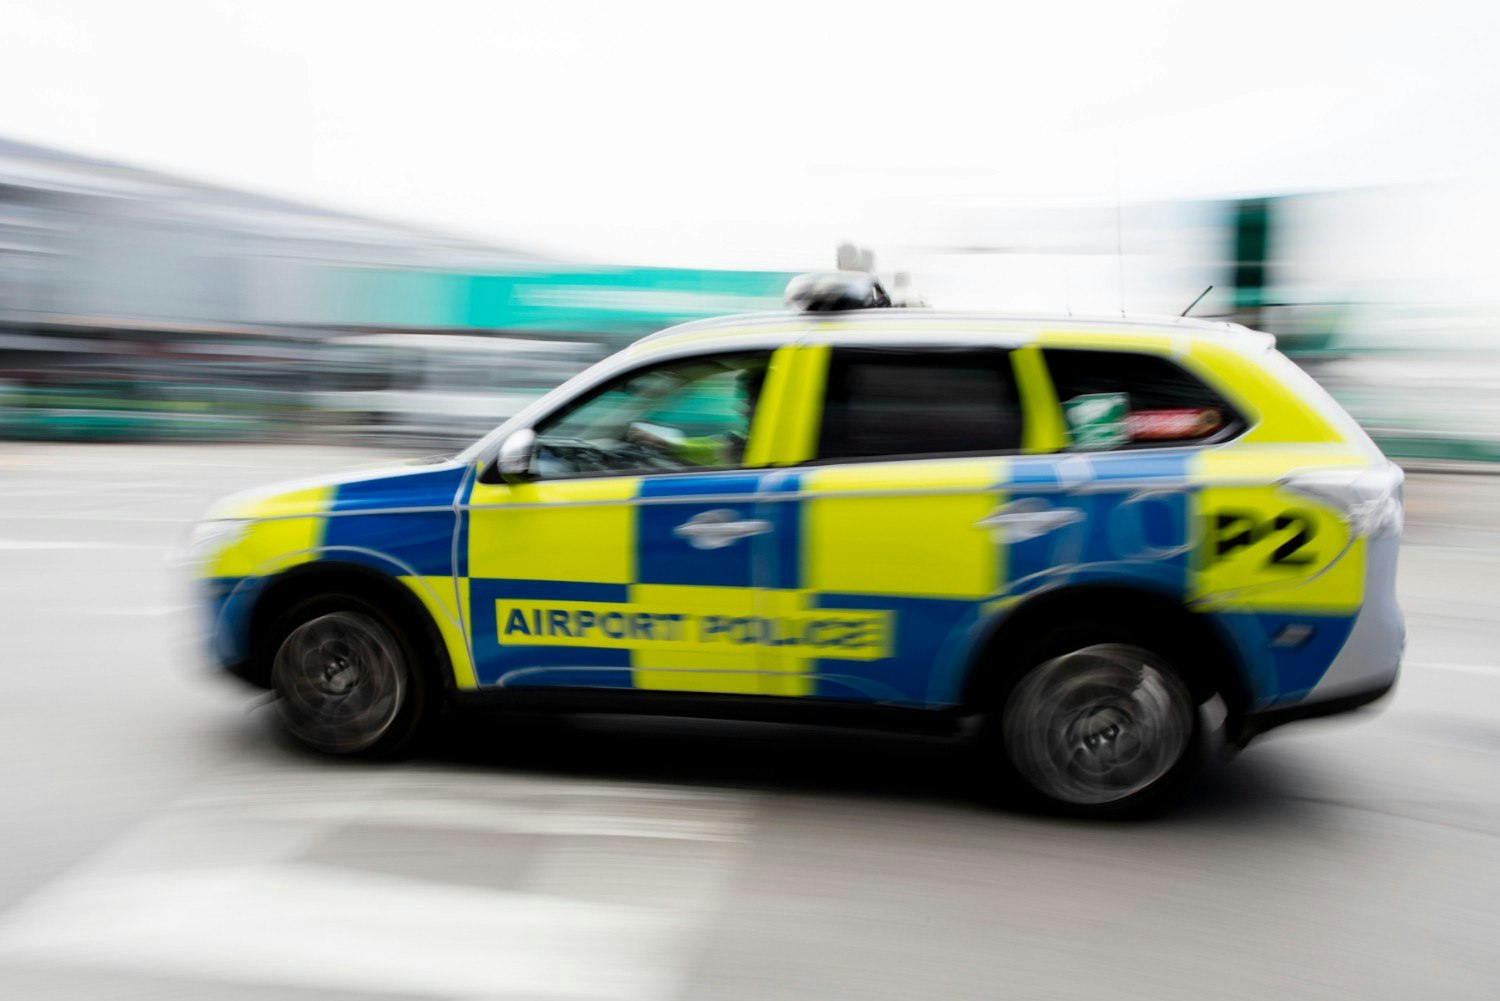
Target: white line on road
[
  {"x": 1490, "y": 669},
  {"x": 247, "y": 848},
  {"x": 94, "y": 516},
  {"x": 132, "y": 611},
  {"x": 72, "y": 544},
  {"x": 281, "y": 923}
]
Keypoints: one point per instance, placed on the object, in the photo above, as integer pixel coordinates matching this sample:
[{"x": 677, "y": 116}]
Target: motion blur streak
[
  {"x": 142, "y": 306},
  {"x": 242, "y": 243},
  {"x": 174, "y": 847}
]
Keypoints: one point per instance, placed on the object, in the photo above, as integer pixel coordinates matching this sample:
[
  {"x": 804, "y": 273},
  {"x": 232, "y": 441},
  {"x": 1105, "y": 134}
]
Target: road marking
[
  {"x": 327, "y": 877},
  {"x": 1489, "y": 669},
  {"x": 70, "y": 544},
  {"x": 99, "y": 516},
  {"x": 320, "y": 926},
  {"x": 132, "y": 612}
]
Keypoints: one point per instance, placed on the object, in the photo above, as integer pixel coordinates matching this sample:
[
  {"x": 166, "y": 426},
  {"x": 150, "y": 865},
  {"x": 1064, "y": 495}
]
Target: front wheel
[
  {"x": 346, "y": 679},
  {"x": 1101, "y": 729}
]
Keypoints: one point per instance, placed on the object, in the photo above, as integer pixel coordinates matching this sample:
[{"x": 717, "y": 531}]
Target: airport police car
[{"x": 1098, "y": 546}]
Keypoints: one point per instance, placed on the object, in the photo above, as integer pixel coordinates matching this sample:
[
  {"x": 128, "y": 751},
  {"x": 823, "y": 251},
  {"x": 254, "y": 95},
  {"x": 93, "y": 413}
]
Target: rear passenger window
[
  {"x": 1116, "y": 399},
  {"x": 886, "y": 403}
]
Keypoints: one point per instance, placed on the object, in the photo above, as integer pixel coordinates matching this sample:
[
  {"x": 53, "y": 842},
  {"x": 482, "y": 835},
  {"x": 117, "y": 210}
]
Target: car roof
[{"x": 946, "y": 325}]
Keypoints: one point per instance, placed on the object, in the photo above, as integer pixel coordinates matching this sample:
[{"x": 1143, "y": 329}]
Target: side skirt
[{"x": 751, "y": 708}]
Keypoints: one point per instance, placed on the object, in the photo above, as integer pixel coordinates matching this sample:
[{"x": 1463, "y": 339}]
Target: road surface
[{"x": 162, "y": 841}]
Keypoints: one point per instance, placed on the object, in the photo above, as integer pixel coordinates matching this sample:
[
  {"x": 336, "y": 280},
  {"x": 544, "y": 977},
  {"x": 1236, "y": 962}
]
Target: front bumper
[{"x": 224, "y": 609}]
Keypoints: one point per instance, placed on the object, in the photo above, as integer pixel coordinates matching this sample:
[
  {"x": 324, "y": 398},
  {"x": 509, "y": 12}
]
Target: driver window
[{"x": 685, "y": 415}]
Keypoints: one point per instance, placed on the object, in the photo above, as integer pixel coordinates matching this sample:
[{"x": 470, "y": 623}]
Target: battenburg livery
[{"x": 1106, "y": 544}]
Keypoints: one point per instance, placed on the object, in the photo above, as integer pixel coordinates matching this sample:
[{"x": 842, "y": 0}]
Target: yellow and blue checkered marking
[
  {"x": 400, "y": 524},
  {"x": 887, "y": 543},
  {"x": 408, "y": 520},
  {"x": 872, "y": 584}
]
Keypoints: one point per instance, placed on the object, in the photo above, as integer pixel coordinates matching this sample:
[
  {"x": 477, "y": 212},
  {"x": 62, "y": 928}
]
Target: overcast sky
[{"x": 754, "y": 134}]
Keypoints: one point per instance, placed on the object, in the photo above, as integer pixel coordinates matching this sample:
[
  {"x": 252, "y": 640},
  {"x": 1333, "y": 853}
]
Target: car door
[
  {"x": 629, "y": 559},
  {"x": 1124, "y": 469},
  {"x": 1222, "y": 528},
  {"x": 914, "y": 452}
]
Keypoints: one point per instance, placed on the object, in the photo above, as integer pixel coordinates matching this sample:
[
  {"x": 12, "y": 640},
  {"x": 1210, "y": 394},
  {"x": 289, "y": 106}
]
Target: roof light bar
[
  {"x": 853, "y": 286},
  {"x": 835, "y": 291}
]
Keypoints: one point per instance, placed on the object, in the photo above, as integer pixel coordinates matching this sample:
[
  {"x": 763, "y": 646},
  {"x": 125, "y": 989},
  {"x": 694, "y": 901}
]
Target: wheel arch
[
  {"x": 1192, "y": 641},
  {"x": 307, "y": 580}
]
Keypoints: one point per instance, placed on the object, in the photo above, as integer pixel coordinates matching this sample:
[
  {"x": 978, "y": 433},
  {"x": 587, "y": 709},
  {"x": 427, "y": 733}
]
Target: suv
[{"x": 1109, "y": 544}]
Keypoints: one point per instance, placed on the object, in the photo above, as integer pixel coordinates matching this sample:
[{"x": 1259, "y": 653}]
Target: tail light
[{"x": 1367, "y": 497}]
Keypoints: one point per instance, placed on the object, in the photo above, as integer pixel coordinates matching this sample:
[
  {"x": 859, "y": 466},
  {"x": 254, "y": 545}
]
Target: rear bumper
[
  {"x": 1366, "y": 666},
  {"x": 1257, "y": 723}
]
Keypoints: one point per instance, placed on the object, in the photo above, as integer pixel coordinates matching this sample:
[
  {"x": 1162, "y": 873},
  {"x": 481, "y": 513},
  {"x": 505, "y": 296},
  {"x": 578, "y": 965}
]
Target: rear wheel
[
  {"x": 347, "y": 679},
  {"x": 1099, "y": 728}
]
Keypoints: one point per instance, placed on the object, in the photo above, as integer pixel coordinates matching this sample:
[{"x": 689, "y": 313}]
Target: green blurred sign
[
  {"x": 618, "y": 299},
  {"x": 1096, "y": 421},
  {"x": 631, "y": 301}
]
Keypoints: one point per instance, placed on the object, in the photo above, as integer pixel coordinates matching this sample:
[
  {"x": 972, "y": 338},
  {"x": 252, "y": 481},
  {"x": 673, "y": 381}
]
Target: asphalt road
[{"x": 161, "y": 841}]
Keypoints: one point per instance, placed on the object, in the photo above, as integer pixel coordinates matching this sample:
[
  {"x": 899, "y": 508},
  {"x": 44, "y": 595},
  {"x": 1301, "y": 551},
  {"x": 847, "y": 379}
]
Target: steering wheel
[
  {"x": 580, "y": 455},
  {"x": 639, "y": 455}
]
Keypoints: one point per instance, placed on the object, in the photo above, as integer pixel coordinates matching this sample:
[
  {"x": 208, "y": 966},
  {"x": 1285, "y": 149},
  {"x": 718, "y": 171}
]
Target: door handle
[
  {"x": 1028, "y": 518},
  {"x": 719, "y": 528}
]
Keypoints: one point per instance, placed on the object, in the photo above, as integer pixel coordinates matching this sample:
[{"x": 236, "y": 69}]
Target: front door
[{"x": 631, "y": 559}]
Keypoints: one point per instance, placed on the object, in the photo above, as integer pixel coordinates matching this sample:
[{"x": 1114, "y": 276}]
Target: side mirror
[{"x": 514, "y": 461}]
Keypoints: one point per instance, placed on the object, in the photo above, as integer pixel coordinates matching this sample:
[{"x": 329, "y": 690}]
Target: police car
[{"x": 1099, "y": 546}]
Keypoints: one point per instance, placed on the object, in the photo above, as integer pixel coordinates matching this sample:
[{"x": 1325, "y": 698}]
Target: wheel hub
[
  {"x": 341, "y": 681},
  {"x": 341, "y": 674},
  {"x": 1097, "y": 725}
]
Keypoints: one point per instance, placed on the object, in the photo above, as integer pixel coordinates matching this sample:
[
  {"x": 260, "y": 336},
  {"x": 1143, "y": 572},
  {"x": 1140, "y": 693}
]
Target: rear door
[
  {"x": 1175, "y": 495},
  {"x": 1123, "y": 478},
  {"x": 911, "y": 459}
]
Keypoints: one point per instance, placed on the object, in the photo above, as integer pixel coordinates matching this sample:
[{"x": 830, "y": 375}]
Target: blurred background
[
  {"x": 240, "y": 243},
  {"x": 224, "y": 224}
]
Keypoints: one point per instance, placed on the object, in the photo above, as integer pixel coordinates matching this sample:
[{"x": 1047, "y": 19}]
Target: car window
[
  {"x": 883, "y": 403},
  {"x": 1121, "y": 399},
  {"x": 687, "y": 414}
]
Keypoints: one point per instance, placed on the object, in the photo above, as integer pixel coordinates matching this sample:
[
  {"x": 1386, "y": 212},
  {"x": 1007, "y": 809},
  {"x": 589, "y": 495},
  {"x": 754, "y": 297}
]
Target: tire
[
  {"x": 348, "y": 679},
  {"x": 1095, "y": 723}
]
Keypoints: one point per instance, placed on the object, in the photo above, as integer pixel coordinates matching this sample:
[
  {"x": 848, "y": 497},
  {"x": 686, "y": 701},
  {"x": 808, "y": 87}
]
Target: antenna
[
  {"x": 1195, "y": 302},
  {"x": 1119, "y": 232}
]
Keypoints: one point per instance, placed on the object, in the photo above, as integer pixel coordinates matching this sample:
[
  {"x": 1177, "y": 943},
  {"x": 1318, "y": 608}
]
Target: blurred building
[
  {"x": 101, "y": 244},
  {"x": 135, "y": 303},
  {"x": 93, "y": 243}
]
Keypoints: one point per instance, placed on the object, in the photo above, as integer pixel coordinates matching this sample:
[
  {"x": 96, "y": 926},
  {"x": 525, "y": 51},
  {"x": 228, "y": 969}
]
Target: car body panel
[{"x": 875, "y": 581}]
